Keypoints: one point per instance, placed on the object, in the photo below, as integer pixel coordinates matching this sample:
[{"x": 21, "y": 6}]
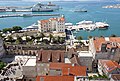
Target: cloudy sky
[
  {"x": 71, "y": 0},
  {"x": 59, "y": 0}
]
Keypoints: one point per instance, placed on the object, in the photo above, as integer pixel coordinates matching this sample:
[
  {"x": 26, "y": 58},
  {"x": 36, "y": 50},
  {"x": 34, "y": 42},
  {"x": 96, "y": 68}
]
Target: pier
[{"x": 27, "y": 15}]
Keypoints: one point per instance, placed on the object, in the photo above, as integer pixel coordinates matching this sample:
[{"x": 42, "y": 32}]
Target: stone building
[
  {"x": 105, "y": 48},
  {"x": 108, "y": 67},
  {"x": 52, "y": 24}
]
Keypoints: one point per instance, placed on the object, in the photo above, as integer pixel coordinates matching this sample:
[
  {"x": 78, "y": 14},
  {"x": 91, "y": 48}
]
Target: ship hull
[{"x": 44, "y": 11}]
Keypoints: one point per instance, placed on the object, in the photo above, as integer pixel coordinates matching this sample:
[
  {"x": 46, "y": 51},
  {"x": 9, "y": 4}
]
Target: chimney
[{"x": 68, "y": 71}]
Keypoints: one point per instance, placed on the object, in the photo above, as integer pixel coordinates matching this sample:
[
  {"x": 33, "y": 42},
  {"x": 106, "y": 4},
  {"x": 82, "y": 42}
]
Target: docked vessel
[
  {"x": 102, "y": 25},
  {"x": 2, "y": 9},
  {"x": 40, "y": 8},
  {"x": 52, "y": 6},
  {"x": 86, "y": 25},
  {"x": 81, "y": 10},
  {"x": 44, "y": 7}
]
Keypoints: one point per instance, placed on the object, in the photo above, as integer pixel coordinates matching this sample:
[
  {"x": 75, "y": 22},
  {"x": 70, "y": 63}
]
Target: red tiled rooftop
[
  {"x": 55, "y": 78},
  {"x": 52, "y": 55},
  {"x": 98, "y": 41},
  {"x": 115, "y": 39},
  {"x": 61, "y": 19},
  {"x": 115, "y": 77},
  {"x": 56, "y": 19},
  {"x": 109, "y": 65},
  {"x": 44, "y": 21},
  {"x": 59, "y": 65},
  {"x": 68, "y": 69}
]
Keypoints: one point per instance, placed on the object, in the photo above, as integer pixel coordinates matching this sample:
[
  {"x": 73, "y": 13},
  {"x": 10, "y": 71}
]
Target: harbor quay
[{"x": 27, "y": 15}]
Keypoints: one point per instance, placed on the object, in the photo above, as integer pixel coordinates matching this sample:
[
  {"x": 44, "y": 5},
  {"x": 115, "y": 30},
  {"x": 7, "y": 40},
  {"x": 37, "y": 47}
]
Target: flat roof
[
  {"x": 30, "y": 62},
  {"x": 85, "y": 54}
]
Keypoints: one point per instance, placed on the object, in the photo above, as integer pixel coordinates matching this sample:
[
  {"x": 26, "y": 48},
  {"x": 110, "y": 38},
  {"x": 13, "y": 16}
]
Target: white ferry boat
[
  {"x": 52, "y": 6},
  {"x": 44, "y": 7},
  {"x": 87, "y": 25},
  {"x": 102, "y": 25},
  {"x": 40, "y": 8}
]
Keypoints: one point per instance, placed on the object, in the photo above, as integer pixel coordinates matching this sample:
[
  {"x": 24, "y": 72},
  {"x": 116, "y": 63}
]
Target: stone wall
[{"x": 31, "y": 49}]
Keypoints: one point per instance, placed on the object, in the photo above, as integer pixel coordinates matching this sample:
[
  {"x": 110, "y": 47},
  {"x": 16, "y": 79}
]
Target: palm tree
[
  {"x": 58, "y": 39},
  {"x": 79, "y": 38},
  {"x": 62, "y": 40},
  {"x": 42, "y": 35},
  {"x": 19, "y": 39},
  {"x": 10, "y": 38},
  {"x": 89, "y": 37},
  {"x": 51, "y": 36}
]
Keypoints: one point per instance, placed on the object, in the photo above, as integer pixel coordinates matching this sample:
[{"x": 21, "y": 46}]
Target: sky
[
  {"x": 59, "y": 0},
  {"x": 71, "y": 0}
]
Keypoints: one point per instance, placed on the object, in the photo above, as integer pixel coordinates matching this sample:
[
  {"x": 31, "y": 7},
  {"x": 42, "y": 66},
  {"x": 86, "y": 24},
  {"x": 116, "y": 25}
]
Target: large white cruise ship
[{"x": 39, "y": 7}]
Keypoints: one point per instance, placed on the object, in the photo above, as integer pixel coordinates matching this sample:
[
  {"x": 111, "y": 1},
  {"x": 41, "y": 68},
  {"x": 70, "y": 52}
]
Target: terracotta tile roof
[
  {"x": 68, "y": 69},
  {"x": 55, "y": 78},
  {"x": 116, "y": 40},
  {"x": 115, "y": 77},
  {"x": 98, "y": 42},
  {"x": 109, "y": 65},
  {"x": 61, "y": 19},
  {"x": 51, "y": 19},
  {"x": 59, "y": 65},
  {"x": 44, "y": 21},
  {"x": 46, "y": 56},
  {"x": 58, "y": 19}
]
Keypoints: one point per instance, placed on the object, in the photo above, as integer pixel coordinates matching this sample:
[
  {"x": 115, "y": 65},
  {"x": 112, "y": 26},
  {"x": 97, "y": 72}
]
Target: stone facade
[{"x": 52, "y": 24}]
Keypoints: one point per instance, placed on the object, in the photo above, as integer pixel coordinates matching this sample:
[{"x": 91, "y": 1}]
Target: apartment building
[
  {"x": 108, "y": 67},
  {"x": 52, "y": 24},
  {"x": 105, "y": 48}
]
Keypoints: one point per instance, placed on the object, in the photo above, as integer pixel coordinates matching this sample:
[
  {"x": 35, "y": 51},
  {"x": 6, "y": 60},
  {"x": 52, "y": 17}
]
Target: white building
[
  {"x": 52, "y": 24},
  {"x": 86, "y": 59}
]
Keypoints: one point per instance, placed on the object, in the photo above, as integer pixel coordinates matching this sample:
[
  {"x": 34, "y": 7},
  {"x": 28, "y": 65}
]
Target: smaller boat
[{"x": 81, "y": 10}]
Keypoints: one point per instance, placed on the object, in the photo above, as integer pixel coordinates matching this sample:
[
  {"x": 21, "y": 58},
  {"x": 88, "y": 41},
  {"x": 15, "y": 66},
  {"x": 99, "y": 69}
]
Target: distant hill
[{"x": 10, "y": 0}]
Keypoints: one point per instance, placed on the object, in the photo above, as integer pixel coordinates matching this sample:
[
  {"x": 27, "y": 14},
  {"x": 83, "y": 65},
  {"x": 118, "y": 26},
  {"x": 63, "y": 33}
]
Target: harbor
[
  {"x": 27, "y": 15},
  {"x": 87, "y": 25},
  {"x": 108, "y": 15},
  {"x": 39, "y": 7}
]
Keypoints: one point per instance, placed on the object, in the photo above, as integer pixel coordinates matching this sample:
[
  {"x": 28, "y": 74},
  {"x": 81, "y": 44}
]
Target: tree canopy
[{"x": 14, "y": 28}]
